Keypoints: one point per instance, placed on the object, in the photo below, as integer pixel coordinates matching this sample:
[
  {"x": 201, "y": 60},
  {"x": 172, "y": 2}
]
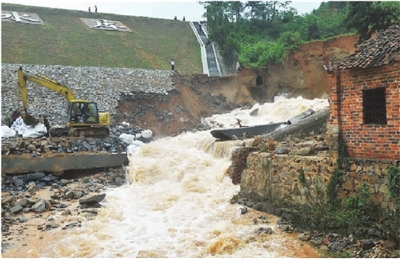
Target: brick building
[{"x": 365, "y": 98}]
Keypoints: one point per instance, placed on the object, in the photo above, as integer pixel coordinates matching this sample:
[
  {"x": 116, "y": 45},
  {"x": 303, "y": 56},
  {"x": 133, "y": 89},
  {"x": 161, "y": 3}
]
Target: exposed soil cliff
[
  {"x": 195, "y": 97},
  {"x": 302, "y": 73}
]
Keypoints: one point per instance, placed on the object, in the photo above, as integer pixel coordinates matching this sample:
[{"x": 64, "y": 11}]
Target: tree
[
  {"x": 312, "y": 27},
  {"x": 253, "y": 6},
  {"x": 369, "y": 17},
  {"x": 276, "y": 5},
  {"x": 235, "y": 9},
  {"x": 263, "y": 32}
]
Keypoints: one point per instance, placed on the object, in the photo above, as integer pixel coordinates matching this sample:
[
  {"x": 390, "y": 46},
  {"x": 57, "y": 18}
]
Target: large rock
[
  {"x": 17, "y": 208},
  {"x": 96, "y": 198},
  {"x": 39, "y": 206}
]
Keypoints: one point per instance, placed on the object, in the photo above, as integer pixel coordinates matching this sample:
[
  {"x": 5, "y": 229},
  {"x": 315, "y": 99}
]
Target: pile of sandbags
[
  {"x": 26, "y": 131},
  {"x": 6, "y": 132}
]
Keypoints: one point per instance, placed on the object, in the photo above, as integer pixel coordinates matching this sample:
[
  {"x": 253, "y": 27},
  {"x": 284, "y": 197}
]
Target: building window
[{"x": 374, "y": 106}]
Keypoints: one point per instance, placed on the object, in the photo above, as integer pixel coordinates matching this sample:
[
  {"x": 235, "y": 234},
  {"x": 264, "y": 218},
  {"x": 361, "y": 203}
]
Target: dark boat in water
[
  {"x": 301, "y": 116},
  {"x": 256, "y": 130},
  {"x": 246, "y": 132}
]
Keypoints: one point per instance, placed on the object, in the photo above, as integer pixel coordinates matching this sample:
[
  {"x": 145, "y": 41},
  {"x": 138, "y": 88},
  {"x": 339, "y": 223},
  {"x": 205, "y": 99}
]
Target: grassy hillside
[{"x": 65, "y": 39}]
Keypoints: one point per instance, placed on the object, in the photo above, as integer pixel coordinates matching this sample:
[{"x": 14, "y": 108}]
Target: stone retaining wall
[
  {"x": 372, "y": 173},
  {"x": 275, "y": 179}
]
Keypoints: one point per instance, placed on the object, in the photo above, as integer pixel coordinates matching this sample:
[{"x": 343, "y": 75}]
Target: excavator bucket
[{"x": 29, "y": 119}]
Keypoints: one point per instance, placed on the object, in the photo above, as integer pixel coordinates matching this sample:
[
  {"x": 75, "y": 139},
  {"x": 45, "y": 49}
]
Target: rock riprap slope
[{"x": 100, "y": 84}]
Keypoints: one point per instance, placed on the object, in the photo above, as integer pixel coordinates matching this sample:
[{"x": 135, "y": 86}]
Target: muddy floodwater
[{"x": 176, "y": 203}]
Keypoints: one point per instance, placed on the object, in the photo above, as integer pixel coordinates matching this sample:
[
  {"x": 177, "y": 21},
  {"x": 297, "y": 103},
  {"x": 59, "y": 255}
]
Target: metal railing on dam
[{"x": 208, "y": 54}]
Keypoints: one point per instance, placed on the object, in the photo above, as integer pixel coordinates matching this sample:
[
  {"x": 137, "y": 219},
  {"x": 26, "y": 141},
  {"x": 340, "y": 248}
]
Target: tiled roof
[{"x": 384, "y": 49}]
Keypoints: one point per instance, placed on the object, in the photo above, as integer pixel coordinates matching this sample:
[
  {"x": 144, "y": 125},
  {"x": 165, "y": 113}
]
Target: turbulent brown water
[{"x": 176, "y": 203}]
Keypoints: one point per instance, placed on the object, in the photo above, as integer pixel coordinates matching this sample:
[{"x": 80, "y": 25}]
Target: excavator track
[
  {"x": 100, "y": 132},
  {"x": 59, "y": 132}
]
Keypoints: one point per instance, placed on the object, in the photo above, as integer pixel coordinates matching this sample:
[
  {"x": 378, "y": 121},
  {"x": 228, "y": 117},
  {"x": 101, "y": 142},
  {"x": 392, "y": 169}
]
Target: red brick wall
[{"x": 374, "y": 141}]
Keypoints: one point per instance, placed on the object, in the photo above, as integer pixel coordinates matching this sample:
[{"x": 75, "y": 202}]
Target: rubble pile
[
  {"x": 27, "y": 198},
  {"x": 21, "y": 128},
  {"x": 33, "y": 182},
  {"x": 140, "y": 134},
  {"x": 374, "y": 246},
  {"x": 114, "y": 143},
  {"x": 43, "y": 145}
]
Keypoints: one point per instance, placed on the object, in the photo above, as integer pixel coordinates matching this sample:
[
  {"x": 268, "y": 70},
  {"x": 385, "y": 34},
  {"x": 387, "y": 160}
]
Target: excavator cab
[
  {"x": 84, "y": 119},
  {"x": 83, "y": 113}
]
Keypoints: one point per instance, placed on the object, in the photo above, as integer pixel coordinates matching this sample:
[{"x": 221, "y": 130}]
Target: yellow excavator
[{"x": 84, "y": 119}]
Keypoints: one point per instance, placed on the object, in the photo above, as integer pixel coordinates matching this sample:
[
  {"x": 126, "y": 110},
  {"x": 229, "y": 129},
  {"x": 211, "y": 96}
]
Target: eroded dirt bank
[
  {"x": 198, "y": 96},
  {"x": 302, "y": 72},
  {"x": 195, "y": 97}
]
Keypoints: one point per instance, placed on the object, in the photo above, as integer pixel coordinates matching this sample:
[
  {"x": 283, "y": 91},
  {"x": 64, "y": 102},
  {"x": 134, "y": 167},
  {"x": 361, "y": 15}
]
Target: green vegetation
[
  {"x": 259, "y": 34},
  {"x": 368, "y": 17},
  {"x": 359, "y": 210},
  {"x": 335, "y": 254},
  {"x": 342, "y": 160},
  {"x": 394, "y": 182},
  {"x": 392, "y": 217},
  {"x": 256, "y": 33},
  {"x": 66, "y": 40},
  {"x": 266, "y": 166},
  {"x": 334, "y": 181},
  {"x": 302, "y": 178},
  {"x": 334, "y": 201}
]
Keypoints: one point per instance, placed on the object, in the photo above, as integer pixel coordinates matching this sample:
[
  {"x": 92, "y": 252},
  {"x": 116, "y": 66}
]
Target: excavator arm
[
  {"x": 46, "y": 82},
  {"x": 83, "y": 116}
]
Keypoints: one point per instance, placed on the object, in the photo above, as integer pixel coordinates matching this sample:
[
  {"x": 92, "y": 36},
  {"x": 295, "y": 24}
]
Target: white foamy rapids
[
  {"x": 177, "y": 204},
  {"x": 280, "y": 111}
]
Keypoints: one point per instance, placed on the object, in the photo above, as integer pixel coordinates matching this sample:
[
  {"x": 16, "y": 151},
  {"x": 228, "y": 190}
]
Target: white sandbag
[
  {"x": 37, "y": 131},
  {"x": 6, "y": 132},
  {"x": 127, "y": 138},
  {"x": 19, "y": 126},
  {"x": 28, "y": 131},
  {"x": 131, "y": 149},
  {"x": 147, "y": 133}
]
